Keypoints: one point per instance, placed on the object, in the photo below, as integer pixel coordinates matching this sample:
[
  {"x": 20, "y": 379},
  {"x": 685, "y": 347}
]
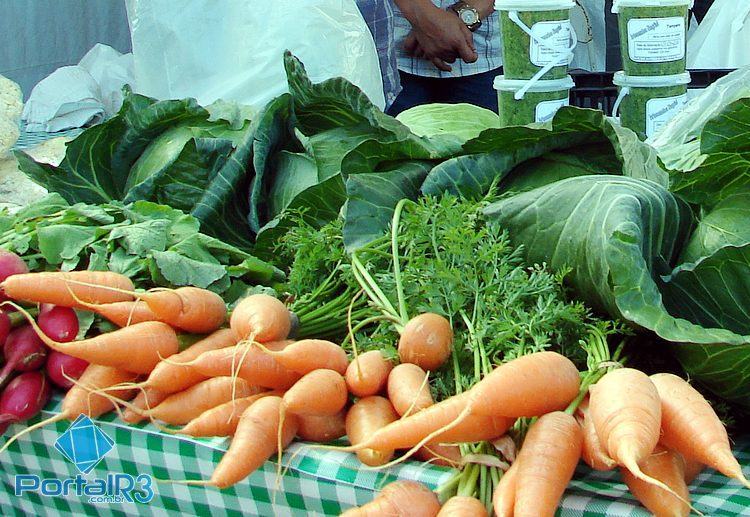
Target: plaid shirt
[
  {"x": 380, "y": 19},
  {"x": 487, "y": 41}
]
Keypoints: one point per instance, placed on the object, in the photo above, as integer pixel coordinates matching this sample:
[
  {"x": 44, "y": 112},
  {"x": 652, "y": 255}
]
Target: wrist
[{"x": 417, "y": 11}]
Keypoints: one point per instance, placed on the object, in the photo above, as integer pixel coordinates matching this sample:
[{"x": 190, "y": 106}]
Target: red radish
[
  {"x": 10, "y": 264},
  {"x": 5, "y": 327},
  {"x": 59, "y": 366},
  {"x": 24, "y": 352},
  {"x": 23, "y": 398},
  {"x": 59, "y": 323}
]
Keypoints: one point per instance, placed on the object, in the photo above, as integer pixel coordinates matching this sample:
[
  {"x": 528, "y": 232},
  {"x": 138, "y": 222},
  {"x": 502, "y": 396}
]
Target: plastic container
[
  {"x": 646, "y": 103},
  {"x": 537, "y": 38},
  {"x": 653, "y": 35},
  {"x": 538, "y": 103}
]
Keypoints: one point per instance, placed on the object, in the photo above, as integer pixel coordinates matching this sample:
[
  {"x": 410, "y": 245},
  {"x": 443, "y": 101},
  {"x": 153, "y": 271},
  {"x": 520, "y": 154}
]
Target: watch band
[{"x": 461, "y": 9}]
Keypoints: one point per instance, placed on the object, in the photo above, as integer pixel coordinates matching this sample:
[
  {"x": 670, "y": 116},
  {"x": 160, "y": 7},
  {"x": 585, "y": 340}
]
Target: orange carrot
[
  {"x": 80, "y": 399},
  {"x": 463, "y": 506},
  {"x": 399, "y": 499},
  {"x": 365, "y": 417},
  {"x": 368, "y": 374},
  {"x": 504, "y": 497},
  {"x": 56, "y": 287},
  {"x": 546, "y": 464},
  {"x": 408, "y": 390},
  {"x": 180, "y": 408},
  {"x": 669, "y": 468},
  {"x": 170, "y": 377},
  {"x": 249, "y": 363},
  {"x": 445, "y": 455},
  {"x": 191, "y": 309},
  {"x": 145, "y": 400},
  {"x": 261, "y": 318},
  {"x": 426, "y": 341},
  {"x": 307, "y": 355},
  {"x": 123, "y": 314},
  {"x": 318, "y": 393},
  {"x": 223, "y": 419},
  {"x": 254, "y": 441},
  {"x": 322, "y": 429},
  {"x": 692, "y": 469},
  {"x": 691, "y": 427},
  {"x": 593, "y": 452}
]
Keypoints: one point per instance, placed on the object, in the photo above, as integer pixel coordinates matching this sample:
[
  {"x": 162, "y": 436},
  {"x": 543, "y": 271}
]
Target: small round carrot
[
  {"x": 669, "y": 468},
  {"x": 691, "y": 427},
  {"x": 322, "y": 429},
  {"x": 143, "y": 402},
  {"x": 368, "y": 374},
  {"x": 426, "y": 341},
  {"x": 445, "y": 455},
  {"x": 307, "y": 355},
  {"x": 180, "y": 408},
  {"x": 365, "y": 417},
  {"x": 318, "y": 393},
  {"x": 399, "y": 499},
  {"x": 504, "y": 497},
  {"x": 463, "y": 506},
  {"x": 261, "y": 318},
  {"x": 67, "y": 289},
  {"x": 546, "y": 463},
  {"x": 247, "y": 362},
  {"x": 127, "y": 313},
  {"x": 408, "y": 389},
  {"x": 593, "y": 452},
  {"x": 223, "y": 419}
]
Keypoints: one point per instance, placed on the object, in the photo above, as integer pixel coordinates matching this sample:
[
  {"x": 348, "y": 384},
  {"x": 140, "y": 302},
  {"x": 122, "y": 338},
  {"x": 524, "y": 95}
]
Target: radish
[
  {"x": 59, "y": 366},
  {"x": 10, "y": 264},
  {"x": 24, "y": 352},
  {"x": 23, "y": 398},
  {"x": 59, "y": 323},
  {"x": 5, "y": 326}
]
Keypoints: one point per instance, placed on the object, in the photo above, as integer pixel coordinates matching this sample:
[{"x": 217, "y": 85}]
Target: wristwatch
[{"x": 467, "y": 14}]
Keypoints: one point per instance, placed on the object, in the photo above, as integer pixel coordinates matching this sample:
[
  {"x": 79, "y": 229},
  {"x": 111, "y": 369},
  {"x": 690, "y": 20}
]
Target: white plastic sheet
[
  {"x": 233, "y": 49},
  {"x": 587, "y": 18},
  {"x": 722, "y": 40}
]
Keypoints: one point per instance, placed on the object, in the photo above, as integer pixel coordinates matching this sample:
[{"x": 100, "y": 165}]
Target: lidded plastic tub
[{"x": 521, "y": 103}]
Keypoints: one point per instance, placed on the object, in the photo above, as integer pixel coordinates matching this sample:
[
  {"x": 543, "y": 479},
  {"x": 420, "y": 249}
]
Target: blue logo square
[{"x": 84, "y": 444}]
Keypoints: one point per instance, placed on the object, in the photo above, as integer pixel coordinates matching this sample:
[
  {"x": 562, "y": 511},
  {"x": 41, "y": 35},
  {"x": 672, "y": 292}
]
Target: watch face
[{"x": 468, "y": 16}]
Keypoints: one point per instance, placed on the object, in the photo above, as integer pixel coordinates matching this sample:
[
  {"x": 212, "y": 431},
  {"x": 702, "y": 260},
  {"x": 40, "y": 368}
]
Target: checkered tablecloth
[
  {"x": 318, "y": 482},
  {"x": 28, "y": 139}
]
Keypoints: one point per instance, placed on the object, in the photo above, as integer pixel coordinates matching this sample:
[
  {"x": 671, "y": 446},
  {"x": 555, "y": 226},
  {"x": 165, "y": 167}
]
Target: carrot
[
  {"x": 692, "y": 469},
  {"x": 180, "y": 408},
  {"x": 319, "y": 393},
  {"x": 399, "y": 499},
  {"x": 546, "y": 464},
  {"x": 504, "y": 497},
  {"x": 322, "y": 429},
  {"x": 368, "y": 374},
  {"x": 254, "y": 442},
  {"x": 307, "y": 355},
  {"x": 446, "y": 455},
  {"x": 669, "y": 468},
  {"x": 463, "y": 506},
  {"x": 593, "y": 452},
  {"x": 123, "y": 314},
  {"x": 408, "y": 390},
  {"x": 261, "y": 318},
  {"x": 426, "y": 341},
  {"x": 66, "y": 289},
  {"x": 223, "y": 419},
  {"x": 247, "y": 362},
  {"x": 80, "y": 399},
  {"x": 366, "y": 416},
  {"x": 626, "y": 411},
  {"x": 137, "y": 348},
  {"x": 144, "y": 401},
  {"x": 171, "y": 377},
  {"x": 191, "y": 309},
  {"x": 691, "y": 427}
]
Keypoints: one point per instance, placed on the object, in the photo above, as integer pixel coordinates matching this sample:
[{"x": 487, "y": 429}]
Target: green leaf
[
  {"x": 180, "y": 270},
  {"x": 726, "y": 224},
  {"x": 139, "y": 239},
  {"x": 125, "y": 264},
  {"x": 295, "y": 173},
  {"x": 64, "y": 242},
  {"x": 464, "y": 121}
]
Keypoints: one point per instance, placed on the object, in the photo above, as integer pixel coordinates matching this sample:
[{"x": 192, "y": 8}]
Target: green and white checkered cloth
[{"x": 318, "y": 482}]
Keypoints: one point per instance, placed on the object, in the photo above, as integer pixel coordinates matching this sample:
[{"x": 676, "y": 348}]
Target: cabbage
[{"x": 464, "y": 121}]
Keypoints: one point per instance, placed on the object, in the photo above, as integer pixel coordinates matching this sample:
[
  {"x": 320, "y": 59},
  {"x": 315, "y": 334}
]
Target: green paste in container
[
  {"x": 653, "y": 39},
  {"x": 539, "y": 104},
  {"x": 522, "y": 57}
]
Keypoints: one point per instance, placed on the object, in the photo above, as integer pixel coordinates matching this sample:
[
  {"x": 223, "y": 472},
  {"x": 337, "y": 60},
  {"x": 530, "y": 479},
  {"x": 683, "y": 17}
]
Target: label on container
[
  {"x": 545, "y": 110},
  {"x": 659, "y": 111},
  {"x": 550, "y": 42},
  {"x": 656, "y": 40}
]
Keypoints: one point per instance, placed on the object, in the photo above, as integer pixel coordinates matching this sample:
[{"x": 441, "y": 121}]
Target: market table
[{"x": 318, "y": 482}]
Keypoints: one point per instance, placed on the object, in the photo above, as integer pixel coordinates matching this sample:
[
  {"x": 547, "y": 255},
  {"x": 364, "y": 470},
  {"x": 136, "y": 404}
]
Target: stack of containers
[
  {"x": 538, "y": 43},
  {"x": 653, "y": 82}
]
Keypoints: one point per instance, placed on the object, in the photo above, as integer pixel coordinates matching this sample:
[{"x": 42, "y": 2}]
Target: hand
[{"x": 440, "y": 37}]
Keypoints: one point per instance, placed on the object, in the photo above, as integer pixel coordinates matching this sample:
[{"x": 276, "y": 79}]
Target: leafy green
[
  {"x": 726, "y": 224},
  {"x": 462, "y": 121}
]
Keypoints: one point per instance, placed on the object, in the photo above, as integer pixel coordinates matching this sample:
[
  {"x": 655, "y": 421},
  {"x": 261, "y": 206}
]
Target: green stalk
[
  {"x": 373, "y": 291},
  {"x": 396, "y": 266}
]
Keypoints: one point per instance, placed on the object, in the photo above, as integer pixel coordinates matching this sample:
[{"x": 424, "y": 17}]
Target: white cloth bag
[
  {"x": 722, "y": 40},
  {"x": 233, "y": 49}
]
